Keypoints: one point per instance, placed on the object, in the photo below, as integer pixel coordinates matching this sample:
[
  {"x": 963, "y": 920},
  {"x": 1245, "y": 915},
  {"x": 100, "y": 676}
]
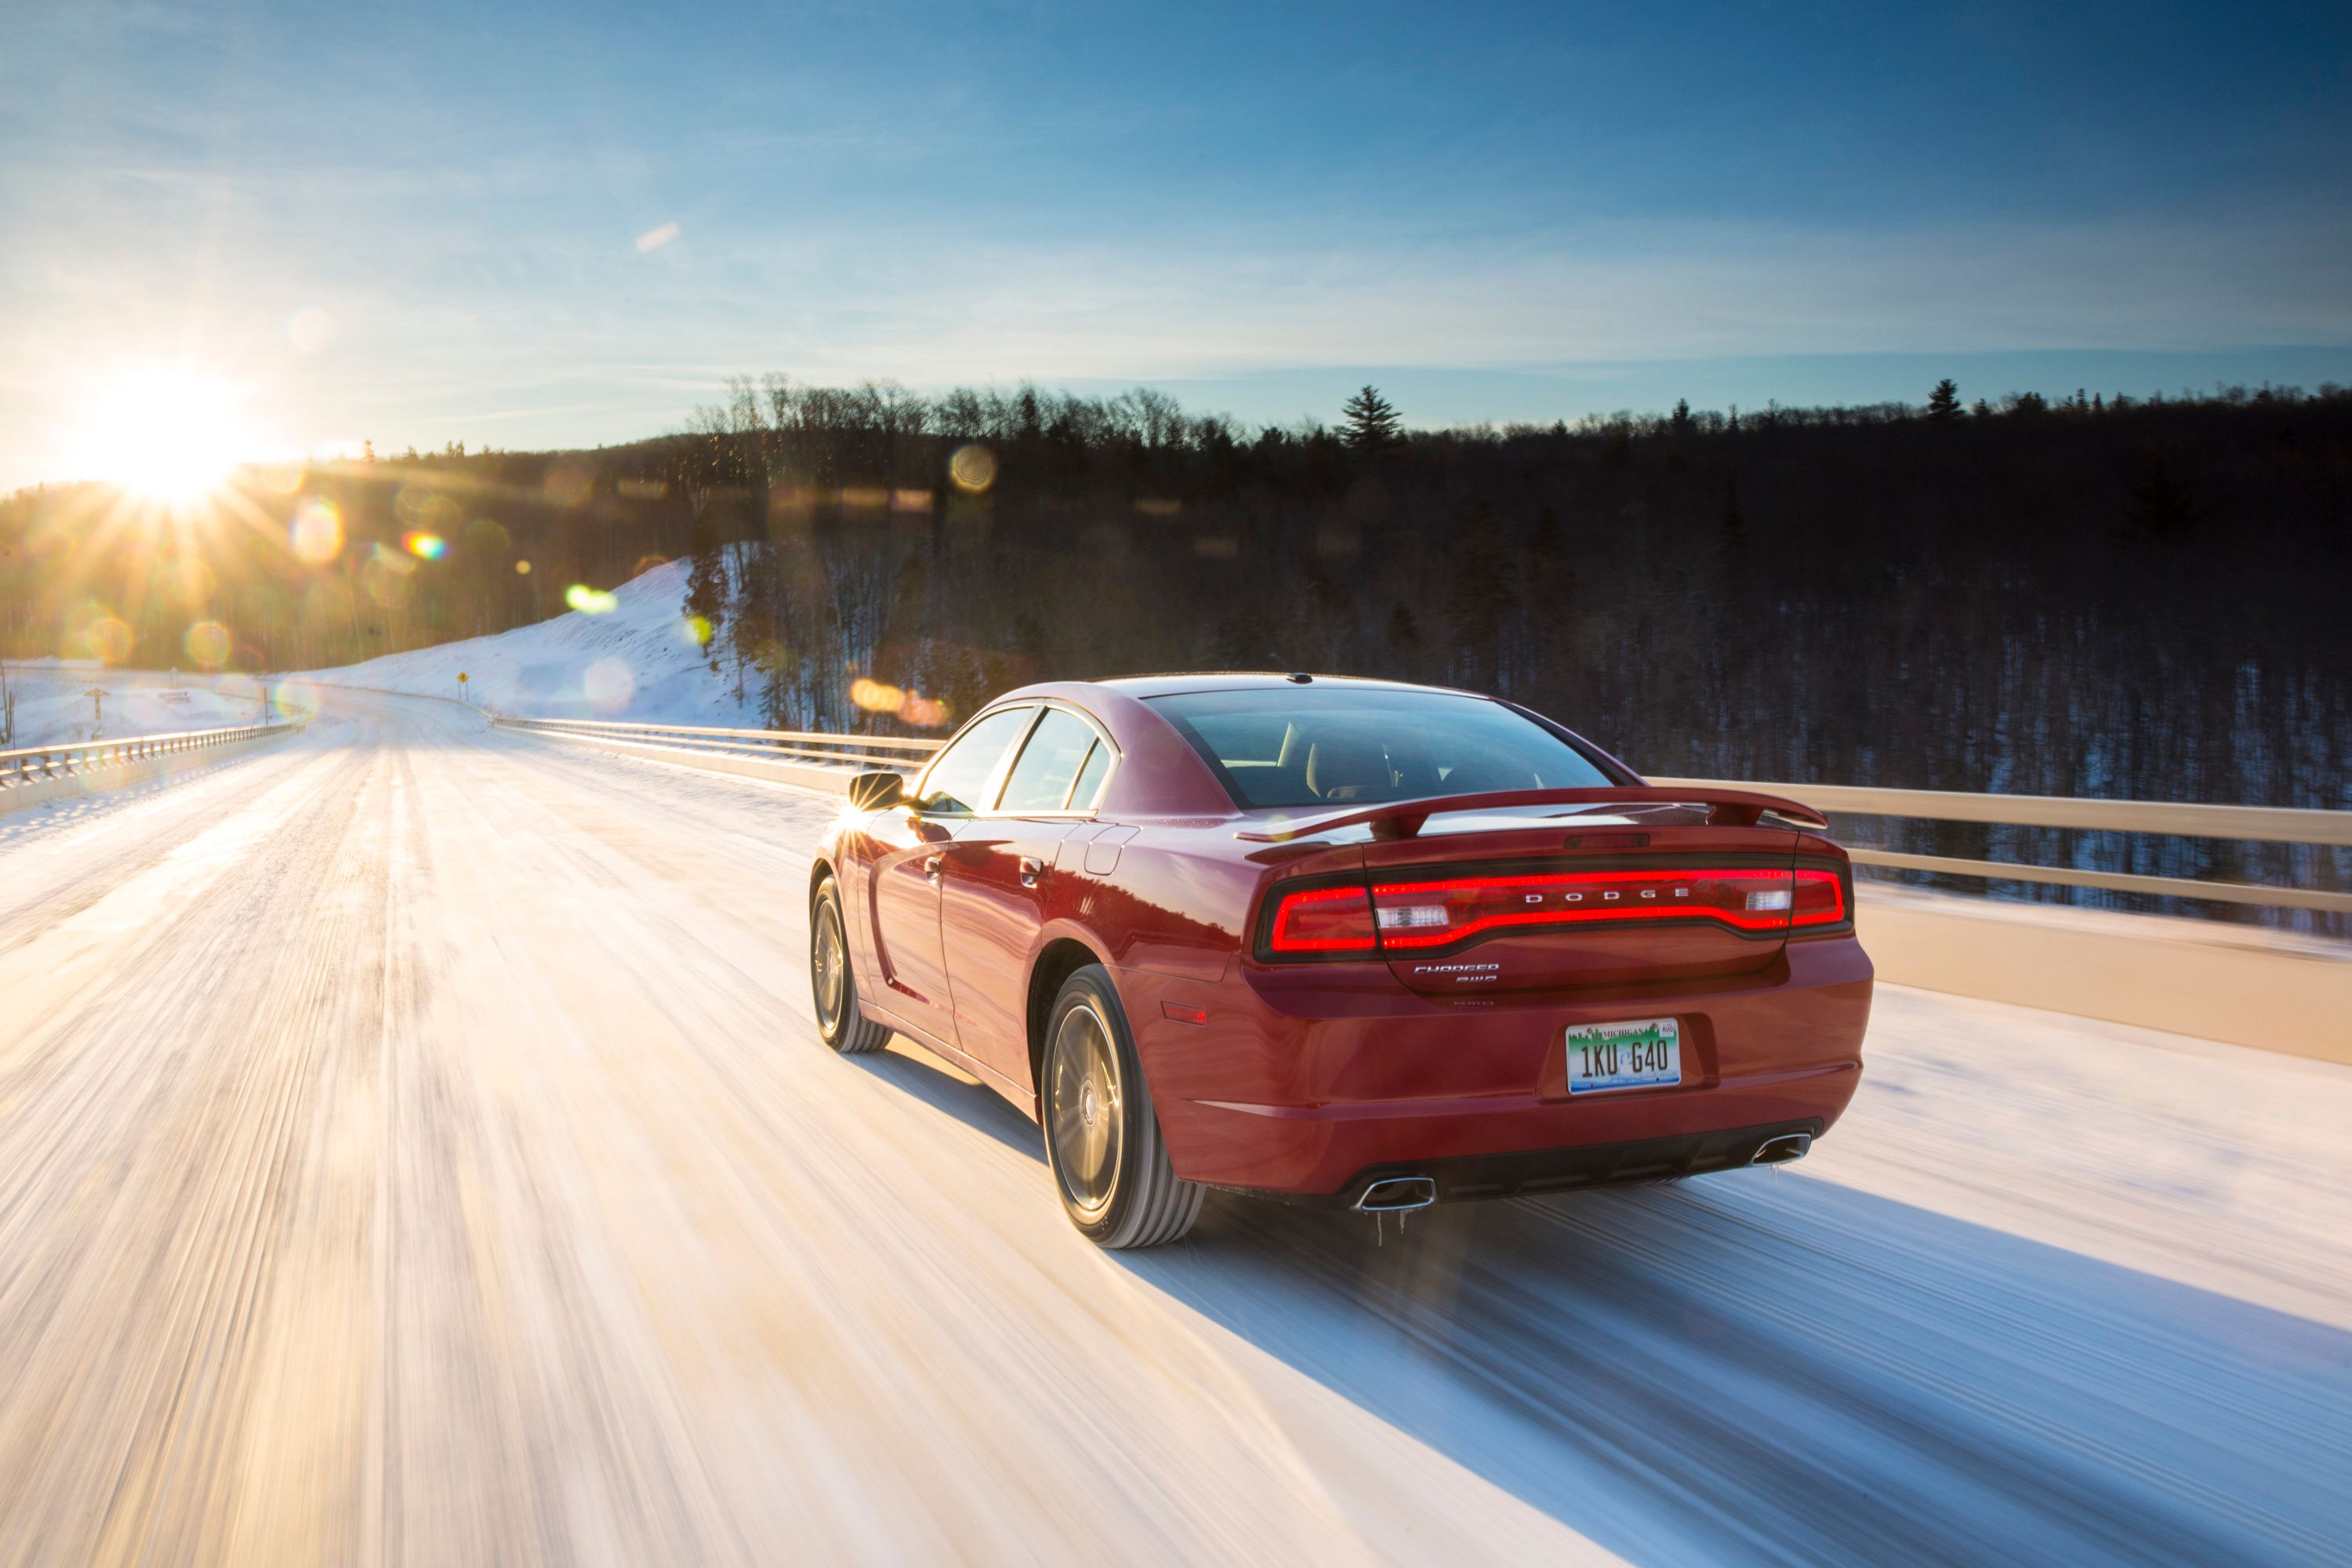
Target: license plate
[{"x": 1639, "y": 1054}]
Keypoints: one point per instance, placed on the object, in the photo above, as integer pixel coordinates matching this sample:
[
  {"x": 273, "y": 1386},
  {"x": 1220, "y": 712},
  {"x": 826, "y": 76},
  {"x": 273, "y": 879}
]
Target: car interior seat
[{"x": 1349, "y": 767}]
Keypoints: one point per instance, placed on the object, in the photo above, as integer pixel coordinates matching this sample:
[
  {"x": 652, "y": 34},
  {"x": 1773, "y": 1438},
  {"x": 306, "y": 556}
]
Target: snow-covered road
[{"x": 413, "y": 1149}]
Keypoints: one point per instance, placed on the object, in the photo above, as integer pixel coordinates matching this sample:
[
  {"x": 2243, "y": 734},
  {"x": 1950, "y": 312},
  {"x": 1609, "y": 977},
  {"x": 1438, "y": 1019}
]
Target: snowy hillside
[
  {"x": 635, "y": 659},
  {"x": 54, "y": 705}
]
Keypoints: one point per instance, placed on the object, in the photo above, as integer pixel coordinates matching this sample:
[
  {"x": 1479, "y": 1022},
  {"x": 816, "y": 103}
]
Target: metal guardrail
[
  {"x": 2241, "y": 823},
  {"x": 36, "y": 764},
  {"x": 846, "y": 752},
  {"x": 2254, "y": 823}
]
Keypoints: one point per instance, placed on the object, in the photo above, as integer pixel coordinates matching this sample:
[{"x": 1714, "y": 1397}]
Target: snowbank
[
  {"x": 636, "y": 660},
  {"x": 54, "y": 706}
]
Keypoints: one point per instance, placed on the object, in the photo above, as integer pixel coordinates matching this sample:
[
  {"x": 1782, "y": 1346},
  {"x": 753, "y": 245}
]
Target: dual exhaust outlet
[
  {"x": 1401, "y": 1195},
  {"x": 1398, "y": 1194}
]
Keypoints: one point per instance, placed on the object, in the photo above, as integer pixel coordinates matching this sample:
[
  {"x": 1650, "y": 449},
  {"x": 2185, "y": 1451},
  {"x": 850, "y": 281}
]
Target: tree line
[{"x": 2090, "y": 594}]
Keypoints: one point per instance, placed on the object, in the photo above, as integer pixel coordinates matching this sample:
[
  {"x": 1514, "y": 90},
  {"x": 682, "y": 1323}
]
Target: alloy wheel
[{"x": 1088, "y": 1109}]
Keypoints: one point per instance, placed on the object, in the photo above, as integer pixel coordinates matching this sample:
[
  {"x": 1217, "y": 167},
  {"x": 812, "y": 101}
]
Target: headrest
[{"x": 1347, "y": 766}]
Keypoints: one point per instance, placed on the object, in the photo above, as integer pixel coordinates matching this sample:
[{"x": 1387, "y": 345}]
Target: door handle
[
  {"x": 1032, "y": 868},
  {"x": 931, "y": 866}
]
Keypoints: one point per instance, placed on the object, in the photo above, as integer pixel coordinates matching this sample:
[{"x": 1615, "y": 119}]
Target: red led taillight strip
[{"x": 1414, "y": 917}]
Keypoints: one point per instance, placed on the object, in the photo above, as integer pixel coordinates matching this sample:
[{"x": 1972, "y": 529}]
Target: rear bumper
[
  {"x": 1334, "y": 1087},
  {"x": 1563, "y": 1170}
]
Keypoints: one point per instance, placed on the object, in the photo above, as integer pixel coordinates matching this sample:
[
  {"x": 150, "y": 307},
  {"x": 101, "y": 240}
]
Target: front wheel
[
  {"x": 833, "y": 985},
  {"x": 1102, "y": 1137}
]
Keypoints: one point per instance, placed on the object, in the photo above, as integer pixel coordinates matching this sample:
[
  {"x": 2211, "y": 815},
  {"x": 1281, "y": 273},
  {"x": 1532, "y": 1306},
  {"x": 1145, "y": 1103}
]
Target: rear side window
[
  {"x": 1049, "y": 764},
  {"x": 1091, "y": 779},
  {"x": 958, "y": 778},
  {"x": 1308, "y": 746}
]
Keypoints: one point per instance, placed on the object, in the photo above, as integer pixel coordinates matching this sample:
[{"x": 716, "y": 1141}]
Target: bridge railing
[
  {"x": 2242, "y": 824},
  {"x": 849, "y": 752},
  {"x": 2325, "y": 830},
  {"x": 37, "y": 764}
]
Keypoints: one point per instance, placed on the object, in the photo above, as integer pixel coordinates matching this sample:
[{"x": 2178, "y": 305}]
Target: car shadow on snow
[
  {"x": 927, "y": 1078},
  {"x": 1767, "y": 1367}
]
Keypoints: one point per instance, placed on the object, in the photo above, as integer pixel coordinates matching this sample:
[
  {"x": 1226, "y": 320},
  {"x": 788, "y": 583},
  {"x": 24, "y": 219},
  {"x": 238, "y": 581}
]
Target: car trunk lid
[{"x": 1597, "y": 895}]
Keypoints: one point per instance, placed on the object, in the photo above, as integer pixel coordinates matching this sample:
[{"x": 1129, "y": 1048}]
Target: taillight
[
  {"x": 1419, "y": 916},
  {"x": 1322, "y": 920},
  {"x": 1416, "y": 915},
  {"x": 1819, "y": 899}
]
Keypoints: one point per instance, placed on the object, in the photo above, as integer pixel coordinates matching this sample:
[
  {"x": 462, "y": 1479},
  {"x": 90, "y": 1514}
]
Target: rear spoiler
[{"x": 1403, "y": 819}]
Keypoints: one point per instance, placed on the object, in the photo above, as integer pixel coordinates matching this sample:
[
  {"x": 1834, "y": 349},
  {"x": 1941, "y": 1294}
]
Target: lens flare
[
  {"x": 570, "y": 481},
  {"x": 427, "y": 509},
  {"x": 907, "y": 706},
  {"x": 101, "y": 635},
  {"x": 698, "y": 630},
  {"x": 384, "y": 575},
  {"x": 310, "y": 330},
  {"x": 522, "y": 568},
  {"x": 277, "y": 479},
  {"x": 424, "y": 546},
  {"x": 317, "y": 533},
  {"x": 292, "y": 701},
  {"x": 589, "y": 601},
  {"x": 207, "y": 643},
  {"x": 609, "y": 684},
  {"x": 973, "y": 468}
]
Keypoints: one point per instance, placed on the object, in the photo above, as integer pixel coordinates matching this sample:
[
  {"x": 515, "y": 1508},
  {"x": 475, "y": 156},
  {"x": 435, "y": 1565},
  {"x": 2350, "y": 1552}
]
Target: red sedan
[{"x": 1340, "y": 941}]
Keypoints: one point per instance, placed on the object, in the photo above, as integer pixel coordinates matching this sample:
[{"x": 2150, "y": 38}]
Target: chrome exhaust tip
[
  {"x": 1395, "y": 1194},
  {"x": 1783, "y": 1149}
]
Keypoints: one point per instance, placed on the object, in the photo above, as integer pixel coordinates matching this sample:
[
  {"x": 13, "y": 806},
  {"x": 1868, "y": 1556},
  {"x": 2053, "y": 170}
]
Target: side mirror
[{"x": 877, "y": 791}]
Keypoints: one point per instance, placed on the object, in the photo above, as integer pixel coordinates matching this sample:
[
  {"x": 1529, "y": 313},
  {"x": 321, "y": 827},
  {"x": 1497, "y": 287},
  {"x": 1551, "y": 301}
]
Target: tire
[
  {"x": 1102, "y": 1136},
  {"x": 833, "y": 980}
]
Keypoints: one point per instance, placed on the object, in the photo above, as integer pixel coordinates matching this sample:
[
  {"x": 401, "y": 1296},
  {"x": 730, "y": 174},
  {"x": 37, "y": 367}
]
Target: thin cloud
[{"x": 655, "y": 238}]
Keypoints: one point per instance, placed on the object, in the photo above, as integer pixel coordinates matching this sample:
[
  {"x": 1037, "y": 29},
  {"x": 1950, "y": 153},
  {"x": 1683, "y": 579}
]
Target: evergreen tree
[
  {"x": 751, "y": 636},
  {"x": 1734, "y": 521},
  {"x": 1369, "y": 423},
  {"x": 1944, "y": 402},
  {"x": 706, "y": 590},
  {"x": 1682, "y": 420},
  {"x": 2164, "y": 504},
  {"x": 1551, "y": 590},
  {"x": 1479, "y": 600}
]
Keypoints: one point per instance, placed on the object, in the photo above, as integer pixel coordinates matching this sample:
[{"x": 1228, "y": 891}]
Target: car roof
[{"x": 1145, "y": 687}]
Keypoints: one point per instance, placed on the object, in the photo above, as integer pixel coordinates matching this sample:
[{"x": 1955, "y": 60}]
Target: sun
[{"x": 165, "y": 434}]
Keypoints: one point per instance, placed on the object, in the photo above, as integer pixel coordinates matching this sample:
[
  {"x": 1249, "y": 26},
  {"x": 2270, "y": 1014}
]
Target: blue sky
[{"x": 418, "y": 225}]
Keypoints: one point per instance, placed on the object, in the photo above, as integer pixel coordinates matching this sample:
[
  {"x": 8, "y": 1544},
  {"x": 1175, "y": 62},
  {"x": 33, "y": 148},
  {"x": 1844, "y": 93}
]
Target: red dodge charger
[{"x": 1340, "y": 941}]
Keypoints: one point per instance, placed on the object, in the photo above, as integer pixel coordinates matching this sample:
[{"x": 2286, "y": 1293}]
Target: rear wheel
[
  {"x": 1102, "y": 1137},
  {"x": 833, "y": 985}
]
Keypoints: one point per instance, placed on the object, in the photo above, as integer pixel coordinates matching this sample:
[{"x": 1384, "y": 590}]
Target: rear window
[{"x": 1306, "y": 746}]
